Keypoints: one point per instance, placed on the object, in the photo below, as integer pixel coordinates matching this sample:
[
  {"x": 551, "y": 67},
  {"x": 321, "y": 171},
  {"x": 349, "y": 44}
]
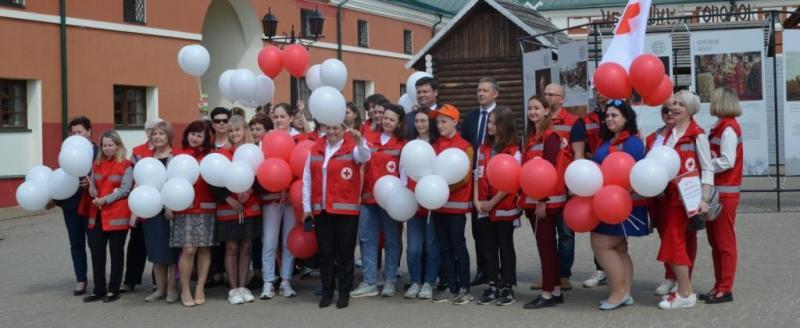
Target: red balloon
[
  {"x": 612, "y": 204},
  {"x": 646, "y": 73},
  {"x": 503, "y": 173},
  {"x": 612, "y": 81},
  {"x": 277, "y": 144},
  {"x": 616, "y": 169},
  {"x": 298, "y": 157},
  {"x": 269, "y": 60},
  {"x": 302, "y": 244},
  {"x": 295, "y": 60},
  {"x": 296, "y": 200},
  {"x": 538, "y": 178},
  {"x": 661, "y": 94},
  {"x": 579, "y": 215},
  {"x": 274, "y": 174}
]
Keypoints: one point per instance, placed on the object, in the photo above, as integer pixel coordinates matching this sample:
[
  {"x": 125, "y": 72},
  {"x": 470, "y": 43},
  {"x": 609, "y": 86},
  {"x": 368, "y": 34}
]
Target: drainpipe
[
  {"x": 339, "y": 29},
  {"x": 433, "y": 28},
  {"x": 63, "y": 43}
]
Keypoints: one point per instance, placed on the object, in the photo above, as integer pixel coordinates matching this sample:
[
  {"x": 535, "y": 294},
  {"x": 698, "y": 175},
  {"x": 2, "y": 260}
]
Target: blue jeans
[
  {"x": 422, "y": 254},
  {"x": 455, "y": 257},
  {"x": 76, "y": 230},
  {"x": 372, "y": 221},
  {"x": 566, "y": 247}
]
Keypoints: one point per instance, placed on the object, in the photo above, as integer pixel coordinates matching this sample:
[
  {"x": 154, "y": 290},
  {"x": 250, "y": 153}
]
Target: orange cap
[{"x": 447, "y": 110}]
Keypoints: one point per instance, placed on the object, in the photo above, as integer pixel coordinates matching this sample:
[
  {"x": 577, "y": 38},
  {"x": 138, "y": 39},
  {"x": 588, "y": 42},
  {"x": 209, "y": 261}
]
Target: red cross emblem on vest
[
  {"x": 631, "y": 12},
  {"x": 347, "y": 173},
  {"x": 391, "y": 166},
  {"x": 690, "y": 164}
]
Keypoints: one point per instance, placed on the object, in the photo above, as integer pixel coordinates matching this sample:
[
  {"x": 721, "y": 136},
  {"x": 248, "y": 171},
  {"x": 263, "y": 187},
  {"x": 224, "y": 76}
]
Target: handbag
[{"x": 714, "y": 207}]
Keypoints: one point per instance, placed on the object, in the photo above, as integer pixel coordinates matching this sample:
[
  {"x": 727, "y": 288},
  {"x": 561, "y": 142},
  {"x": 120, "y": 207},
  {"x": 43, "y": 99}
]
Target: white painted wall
[{"x": 24, "y": 149}]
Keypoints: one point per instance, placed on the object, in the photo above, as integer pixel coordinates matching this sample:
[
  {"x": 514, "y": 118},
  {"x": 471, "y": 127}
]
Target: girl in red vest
[
  {"x": 283, "y": 116},
  {"x": 238, "y": 221},
  {"x": 500, "y": 207},
  {"x": 193, "y": 228},
  {"x": 610, "y": 242},
  {"x": 384, "y": 160},
  {"x": 108, "y": 215},
  {"x": 331, "y": 197},
  {"x": 728, "y": 158},
  {"x": 544, "y": 142},
  {"x": 691, "y": 143},
  {"x": 451, "y": 219}
]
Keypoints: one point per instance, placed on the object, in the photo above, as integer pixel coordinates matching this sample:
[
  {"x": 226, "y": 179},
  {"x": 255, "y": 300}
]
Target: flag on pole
[{"x": 628, "y": 41}]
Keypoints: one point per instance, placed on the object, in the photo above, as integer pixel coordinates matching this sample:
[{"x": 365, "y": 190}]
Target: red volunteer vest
[
  {"x": 460, "y": 199},
  {"x": 343, "y": 179},
  {"x": 592, "y": 124},
  {"x": 252, "y": 206},
  {"x": 687, "y": 150},
  {"x": 203, "y": 198},
  {"x": 506, "y": 209},
  {"x": 141, "y": 151},
  {"x": 562, "y": 124},
  {"x": 107, "y": 177},
  {"x": 728, "y": 183},
  {"x": 564, "y": 158},
  {"x": 384, "y": 160},
  {"x": 650, "y": 141}
]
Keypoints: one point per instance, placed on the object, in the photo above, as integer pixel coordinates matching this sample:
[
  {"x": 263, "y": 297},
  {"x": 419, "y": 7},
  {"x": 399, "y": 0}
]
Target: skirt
[
  {"x": 156, "y": 240},
  {"x": 637, "y": 225},
  {"x": 249, "y": 228},
  {"x": 192, "y": 230}
]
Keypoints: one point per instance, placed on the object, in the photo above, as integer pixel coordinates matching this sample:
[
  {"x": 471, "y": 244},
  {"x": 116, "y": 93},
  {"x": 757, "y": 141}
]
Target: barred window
[
  {"x": 305, "y": 26},
  {"x": 130, "y": 106},
  {"x": 303, "y": 91},
  {"x": 408, "y": 47},
  {"x": 363, "y": 34},
  {"x": 13, "y": 3},
  {"x": 134, "y": 11},
  {"x": 13, "y": 104},
  {"x": 359, "y": 93}
]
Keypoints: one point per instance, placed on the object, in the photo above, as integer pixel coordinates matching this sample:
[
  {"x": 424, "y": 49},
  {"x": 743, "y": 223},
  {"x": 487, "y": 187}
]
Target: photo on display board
[
  {"x": 574, "y": 77},
  {"x": 636, "y": 98},
  {"x": 542, "y": 80},
  {"x": 792, "y": 66},
  {"x": 740, "y": 71}
]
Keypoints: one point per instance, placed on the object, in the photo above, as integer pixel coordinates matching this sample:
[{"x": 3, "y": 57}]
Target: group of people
[{"x": 224, "y": 234}]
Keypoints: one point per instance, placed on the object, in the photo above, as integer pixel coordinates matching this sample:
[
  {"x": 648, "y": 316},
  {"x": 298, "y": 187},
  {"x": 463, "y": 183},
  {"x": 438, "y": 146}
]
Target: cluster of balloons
[
  {"x": 247, "y": 88},
  {"x": 646, "y": 76},
  {"x": 294, "y": 58},
  {"x": 194, "y": 60},
  {"x": 409, "y": 99},
  {"x": 158, "y": 186},
  {"x": 43, "y": 184},
  {"x": 537, "y": 178},
  {"x": 327, "y": 80}
]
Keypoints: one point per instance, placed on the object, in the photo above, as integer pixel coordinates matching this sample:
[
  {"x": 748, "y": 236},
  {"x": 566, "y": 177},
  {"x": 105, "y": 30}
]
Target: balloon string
[{"x": 624, "y": 232}]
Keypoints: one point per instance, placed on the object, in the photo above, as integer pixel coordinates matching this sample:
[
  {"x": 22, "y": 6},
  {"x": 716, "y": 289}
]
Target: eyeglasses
[
  {"x": 220, "y": 121},
  {"x": 550, "y": 94},
  {"x": 615, "y": 102},
  {"x": 664, "y": 110}
]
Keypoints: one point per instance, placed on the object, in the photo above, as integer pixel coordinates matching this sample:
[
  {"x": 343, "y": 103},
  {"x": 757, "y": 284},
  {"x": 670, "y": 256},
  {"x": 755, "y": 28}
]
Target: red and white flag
[{"x": 628, "y": 42}]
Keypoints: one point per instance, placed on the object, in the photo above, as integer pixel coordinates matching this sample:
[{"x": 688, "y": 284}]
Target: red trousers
[
  {"x": 722, "y": 238},
  {"x": 678, "y": 243},
  {"x": 657, "y": 214},
  {"x": 545, "y": 232}
]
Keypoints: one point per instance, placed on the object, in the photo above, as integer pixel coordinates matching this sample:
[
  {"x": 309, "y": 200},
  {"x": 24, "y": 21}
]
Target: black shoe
[
  {"x": 506, "y": 297},
  {"x": 441, "y": 286},
  {"x": 325, "y": 301},
  {"x": 706, "y": 296},
  {"x": 713, "y": 299},
  {"x": 540, "y": 302},
  {"x": 343, "y": 301},
  {"x": 489, "y": 295},
  {"x": 480, "y": 279},
  {"x": 559, "y": 299},
  {"x": 79, "y": 292},
  {"x": 110, "y": 297},
  {"x": 91, "y": 298}
]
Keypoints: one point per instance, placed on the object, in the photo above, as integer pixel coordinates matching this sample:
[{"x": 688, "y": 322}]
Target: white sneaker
[
  {"x": 247, "y": 295},
  {"x": 364, "y": 290},
  {"x": 665, "y": 287},
  {"x": 388, "y": 289},
  {"x": 596, "y": 279},
  {"x": 268, "y": 292},
  {"x": 286, "y": 289},
  {"x": 234, "y": 297},
  {"x": 412, "y": 291},
  {"x": 675, "y": 301},
  {"x": 425, "y": 292}
]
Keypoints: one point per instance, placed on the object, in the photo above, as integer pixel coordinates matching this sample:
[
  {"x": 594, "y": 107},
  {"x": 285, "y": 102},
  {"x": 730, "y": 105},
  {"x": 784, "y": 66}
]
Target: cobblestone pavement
[{"x": 36, "y": 281}]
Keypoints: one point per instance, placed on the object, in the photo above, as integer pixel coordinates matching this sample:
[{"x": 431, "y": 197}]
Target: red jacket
[
  {"x": 203, "y": 198},
  {"x": 592, "y": 123},
  {"x": 562, "y": 124},
  {"x": 252, "y": 206},
  {"x": 564, "y": 158},
  {"x": 343, "y": 185},
  {"x": 460, "y": 201},
  {"x": 728, "y": 183},
  {"x": 108, "y": 176},
  {"x": 651, "y": 138},
  {"x": 506, "y": 209},
  {"x": 141, "y": 151},
  {"x": 384, "y": 160},
  {"x": 686, "y": 148}
]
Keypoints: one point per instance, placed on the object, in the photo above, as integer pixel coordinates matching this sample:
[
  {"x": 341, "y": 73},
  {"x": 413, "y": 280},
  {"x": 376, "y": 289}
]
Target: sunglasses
[
  {"x": 664, "y": 110},
  {"x": 615, "y": 102},
  {"x": 222, "y": 121}
]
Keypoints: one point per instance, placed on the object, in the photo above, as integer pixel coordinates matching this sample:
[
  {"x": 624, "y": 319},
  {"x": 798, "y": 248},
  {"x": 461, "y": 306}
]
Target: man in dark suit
[
  {"x": 473, "y": 129},
  {"x": 427, "y": 96}
]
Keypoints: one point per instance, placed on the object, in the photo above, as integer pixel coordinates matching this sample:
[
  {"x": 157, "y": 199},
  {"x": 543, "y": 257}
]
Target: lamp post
[{"x": 315, "y": 23}]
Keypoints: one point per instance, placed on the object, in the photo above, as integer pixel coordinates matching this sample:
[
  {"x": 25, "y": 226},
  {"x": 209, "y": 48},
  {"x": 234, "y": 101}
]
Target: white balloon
[
  {"x": 265, "y": 90},
  {"x": 177, "y": 194},
  {"x": 250, "y": 154},
  {"x": 649, "y": 177},
  {"x": 79, "y": 141},
  {"x": 243, "y": 84},
  {"x": 411, "y": 85},
  {"x": 583, "y": 177},
  {"x": 416, "y": 159},
  {"x": 239, "y": 177},
  {"x": 194, "y": 59},
  {"x": 406, "y": 102},
  {"x": 32, "y": 195},
  {"x": 213, "y": 168},
  {"x": 149, "y": 171},
  {"x": 327, "y": 106},
  {"x": 333, "y": 73},
  {"x": 384, "y": 187},
  {"x": 452, "y": 164},
  {"x": 668, "y": 157},
  {"x": 75, "y": 160},
  {"x": 183, "y": 166},
  {"x": 38, "y": 173},
  {"x": 145, "y": 201},
  {"x": 313, "y": 79},
  {"x": 432, "y": 192},
  {"x": 403, "y": 206},
  {"x": 224, "y": 84},
  {"x": 62, "y": 185}
]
